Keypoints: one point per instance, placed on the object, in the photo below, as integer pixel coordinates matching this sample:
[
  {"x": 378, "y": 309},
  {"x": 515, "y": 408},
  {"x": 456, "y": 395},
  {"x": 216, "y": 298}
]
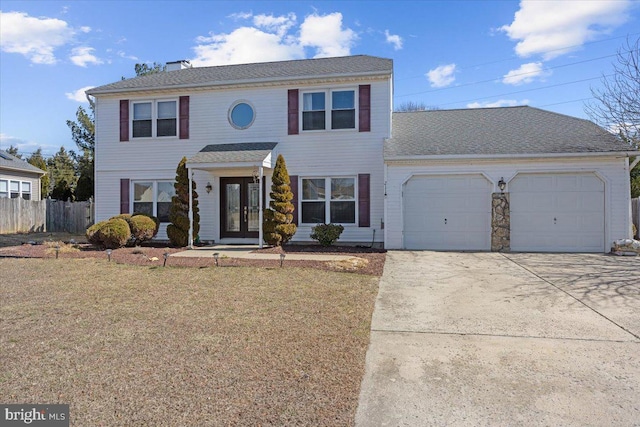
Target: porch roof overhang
[{"x": 236, "y": 155}]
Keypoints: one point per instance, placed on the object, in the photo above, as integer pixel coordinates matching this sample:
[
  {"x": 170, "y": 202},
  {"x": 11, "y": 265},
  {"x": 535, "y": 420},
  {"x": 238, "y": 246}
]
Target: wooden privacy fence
[
  {"x": 22, "y": 216},
  {"x": 72, "y": 217},
  {"x": 635, "y": 212}
]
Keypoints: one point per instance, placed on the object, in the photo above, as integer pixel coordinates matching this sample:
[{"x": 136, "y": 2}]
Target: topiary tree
[
  {"x": 178, "y": 230},
  {"x": 278, "y": 218}
]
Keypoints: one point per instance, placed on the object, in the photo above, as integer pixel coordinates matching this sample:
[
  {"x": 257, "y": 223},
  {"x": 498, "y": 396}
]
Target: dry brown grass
[{"x": 132, "y": 345}]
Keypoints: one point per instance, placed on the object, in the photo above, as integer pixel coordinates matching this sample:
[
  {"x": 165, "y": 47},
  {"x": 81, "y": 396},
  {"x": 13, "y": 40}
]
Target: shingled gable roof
[
  {"x": 486, "y": 132},
  {"x": 359, "y": 65},
  {"x": 7, "y": 161}
]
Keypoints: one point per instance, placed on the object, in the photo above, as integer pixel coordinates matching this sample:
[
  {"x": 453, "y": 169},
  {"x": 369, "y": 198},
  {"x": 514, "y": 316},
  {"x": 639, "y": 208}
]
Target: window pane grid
[
  {"x": 164, "y": 115},
  {"x": 339, "y": 208}
]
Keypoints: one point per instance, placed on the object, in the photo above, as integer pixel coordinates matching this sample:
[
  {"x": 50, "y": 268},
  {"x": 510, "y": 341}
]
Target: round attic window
[{"x": 241, "y": 115}]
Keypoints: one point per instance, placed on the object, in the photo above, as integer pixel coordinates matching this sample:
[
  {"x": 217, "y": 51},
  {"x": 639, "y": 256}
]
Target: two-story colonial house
[{"x": 433, "y": 180}]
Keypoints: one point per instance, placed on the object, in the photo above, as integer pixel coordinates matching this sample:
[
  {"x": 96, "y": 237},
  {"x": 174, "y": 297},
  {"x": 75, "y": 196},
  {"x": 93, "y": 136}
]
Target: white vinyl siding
[{"x": 323, "y": 154}]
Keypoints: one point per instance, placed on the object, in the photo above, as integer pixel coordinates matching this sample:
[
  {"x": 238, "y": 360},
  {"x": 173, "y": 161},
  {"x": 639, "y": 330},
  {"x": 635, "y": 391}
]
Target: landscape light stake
[
  {"x": 166, "y": 255},
  {"x": 281, "y": 259},
  {"x": 215, "y": 257},
  {"x": 109, "y": 254},
  {"x": 57, "y": 250}
]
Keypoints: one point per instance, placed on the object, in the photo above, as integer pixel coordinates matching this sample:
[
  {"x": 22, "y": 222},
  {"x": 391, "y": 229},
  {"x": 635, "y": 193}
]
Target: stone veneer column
[{"x": 500, "y": 223}]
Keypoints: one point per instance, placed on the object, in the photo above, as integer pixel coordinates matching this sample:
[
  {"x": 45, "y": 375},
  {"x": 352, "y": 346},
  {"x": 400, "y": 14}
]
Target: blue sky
[{"x": 453, "y": 54}]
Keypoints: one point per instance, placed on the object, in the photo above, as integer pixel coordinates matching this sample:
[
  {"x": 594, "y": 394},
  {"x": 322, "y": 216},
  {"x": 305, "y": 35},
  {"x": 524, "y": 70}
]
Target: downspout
[
  {"x": 190, "y": 173},
  {"x": 260, "y": 204},
  {"x": 635, "y": 163}
]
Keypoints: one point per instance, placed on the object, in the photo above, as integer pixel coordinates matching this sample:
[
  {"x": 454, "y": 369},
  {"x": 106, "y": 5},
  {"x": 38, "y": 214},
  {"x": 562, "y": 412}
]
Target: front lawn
[{"x": 131, "y": 345}]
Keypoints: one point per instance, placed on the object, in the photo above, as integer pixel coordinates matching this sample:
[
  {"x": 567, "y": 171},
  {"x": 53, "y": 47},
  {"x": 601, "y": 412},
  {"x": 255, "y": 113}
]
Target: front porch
[{"x": 234, "y": 177}]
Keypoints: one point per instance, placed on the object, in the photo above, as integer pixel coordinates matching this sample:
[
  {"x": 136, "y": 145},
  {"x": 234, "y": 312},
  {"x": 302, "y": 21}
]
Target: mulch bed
[{"x": 153, "y": 254}]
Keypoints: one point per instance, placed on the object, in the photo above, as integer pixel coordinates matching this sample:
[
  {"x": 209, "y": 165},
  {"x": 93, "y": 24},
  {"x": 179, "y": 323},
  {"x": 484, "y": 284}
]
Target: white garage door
[
  {"x": 557, "y": 213},
  {"x": 447, "y": 212}
]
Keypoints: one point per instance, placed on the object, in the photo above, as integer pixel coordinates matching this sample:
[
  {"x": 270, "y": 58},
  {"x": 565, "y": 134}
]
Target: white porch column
[
  {"x": 260, "y": 204},
  {"x": 190, "y": 174}
]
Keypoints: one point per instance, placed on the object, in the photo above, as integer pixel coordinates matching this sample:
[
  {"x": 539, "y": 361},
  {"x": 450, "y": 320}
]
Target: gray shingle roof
[
  {"x": 495, "y": 131},
  {"x": 242, "y": 73},
  {"x": 7, "y": 161},
  {"x": 245, "y": 152}
]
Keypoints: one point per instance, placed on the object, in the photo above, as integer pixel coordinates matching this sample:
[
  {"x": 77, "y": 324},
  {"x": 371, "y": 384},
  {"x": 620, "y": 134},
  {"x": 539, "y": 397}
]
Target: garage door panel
[
  {"x": 463, "y": 200},
  {"x": 557, "y": 213}
]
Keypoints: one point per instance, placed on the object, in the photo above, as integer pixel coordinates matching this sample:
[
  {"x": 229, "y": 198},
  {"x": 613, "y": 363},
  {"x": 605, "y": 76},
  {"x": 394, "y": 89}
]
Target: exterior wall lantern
[
  {"x": 208, "y": 187},
  {"x": 501, "y": 184}
]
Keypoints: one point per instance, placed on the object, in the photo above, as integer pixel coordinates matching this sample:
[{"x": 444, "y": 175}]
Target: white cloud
[
  {"x": 79, "y": 95},
  {"x": 241, "y": 15},
  {"x": 498, "y": 103},
  {"x": 35, "y": 38},
  {"x": 24, "y": 146},
  {"x": 124, "y": 55},
  {"x": 244, "y": 45},
  {"x": 525, "y": 74},
  {"x": 81, "y": 56},
  {"x": 393, "y": 39},
  {"x": 548, "y": 28},
  {"x": 325, "y": 34},
  {"x": 273, "y": 38},
  {"x": 442, "y": 76},
  {"x": 85, "y": 29},
  {"x": 275, "y": 24}
]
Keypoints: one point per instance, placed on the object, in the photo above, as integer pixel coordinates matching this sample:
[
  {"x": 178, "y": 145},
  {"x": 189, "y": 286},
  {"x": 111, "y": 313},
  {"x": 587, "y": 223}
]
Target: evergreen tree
[
  {"x": 278, "y": 218},
  {"x": 62, "y": 167},
  {"x": 83, "y": 134},
  {"x": 178, "y": 230},
  {"x": 13, "y": 151},
  {"x": 38, "y": 161}
]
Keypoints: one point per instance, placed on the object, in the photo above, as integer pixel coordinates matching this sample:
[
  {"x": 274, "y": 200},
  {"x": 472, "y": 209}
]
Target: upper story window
[
  {"x": 342, "y": 105},
  {"x": 343, "y": 109},
  {"x": 241, "y": 115},
  {"x": 313, "y": 111},
  {"x": 154, "y": 119}
]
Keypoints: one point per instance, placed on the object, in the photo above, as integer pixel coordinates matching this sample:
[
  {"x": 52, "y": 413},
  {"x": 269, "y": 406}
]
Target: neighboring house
[
  {"x": 430, "y": 184},
  {"x": 19, "y": 179}
]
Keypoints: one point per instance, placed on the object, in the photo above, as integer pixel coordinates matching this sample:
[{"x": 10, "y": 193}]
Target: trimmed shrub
[
  {"x": 278, "y": 223},
  {"x": 91, "y": 233},
  {"x": 326, "y": 234},
  {"x": 112, "y": 234},
  {"x": 153, "y": 218},
  {"x": 142, "y": 227}
]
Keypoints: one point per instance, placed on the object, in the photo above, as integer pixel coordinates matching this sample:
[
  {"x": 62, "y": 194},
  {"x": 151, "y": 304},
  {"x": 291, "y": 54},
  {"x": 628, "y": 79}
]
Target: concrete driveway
[{"x": 516, "y": 339}]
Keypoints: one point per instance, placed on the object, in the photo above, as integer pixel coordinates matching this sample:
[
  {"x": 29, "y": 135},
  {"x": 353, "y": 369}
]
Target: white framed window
[
  {"x": 26, "y": 190},
  {"x": 4, "y": 188},
  {"x": 14, "y": 189},
  {"x": 341, "y": 103},
  {"x": 152, "y": 198},
  {"x": 328, "y": 199},
  {"x": 157, "y": 118}
]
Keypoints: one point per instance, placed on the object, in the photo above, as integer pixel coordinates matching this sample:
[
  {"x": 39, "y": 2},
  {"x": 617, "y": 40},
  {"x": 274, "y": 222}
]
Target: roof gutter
[
  {"x": 238, "y": 82},
  {"x": 512, "y": 156}
]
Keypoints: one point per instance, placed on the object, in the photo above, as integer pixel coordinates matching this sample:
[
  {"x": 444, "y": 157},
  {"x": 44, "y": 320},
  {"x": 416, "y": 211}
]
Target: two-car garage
[{"x": 549, "y": 212}]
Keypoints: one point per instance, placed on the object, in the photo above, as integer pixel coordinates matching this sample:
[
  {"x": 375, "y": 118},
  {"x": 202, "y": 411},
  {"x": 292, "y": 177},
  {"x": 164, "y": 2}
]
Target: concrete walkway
[
  {"x": 475, "y": 339},
  {"x": 247, "y": 252}
]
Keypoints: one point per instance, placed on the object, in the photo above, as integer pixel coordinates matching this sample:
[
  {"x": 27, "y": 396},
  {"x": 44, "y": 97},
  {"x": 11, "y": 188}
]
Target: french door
[{"x": 239, "y": 207}]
